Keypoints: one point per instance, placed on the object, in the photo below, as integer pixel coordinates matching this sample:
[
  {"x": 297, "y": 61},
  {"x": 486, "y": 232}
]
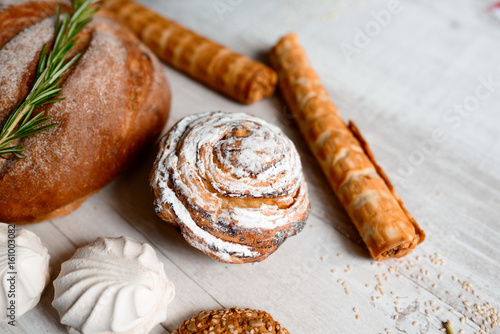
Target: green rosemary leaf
[
  {"x": 42, "y": 62},
  {"x": 34, "y": 131},
  {"x": 50, "y": 69},
  {"x": 27, "y": 117},
  {"x": 50, "y": 101},
  {"x": 14, "y": 149}
]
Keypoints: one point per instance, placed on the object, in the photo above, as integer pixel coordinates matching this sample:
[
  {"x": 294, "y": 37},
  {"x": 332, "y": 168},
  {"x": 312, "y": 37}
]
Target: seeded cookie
[{"x": 233, "y": 320}]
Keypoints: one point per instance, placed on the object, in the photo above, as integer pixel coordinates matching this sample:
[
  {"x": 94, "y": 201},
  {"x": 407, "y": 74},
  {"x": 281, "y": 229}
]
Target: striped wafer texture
[
  {"x": 242, "y": 79},
  {"x": 364, "y": 190}
]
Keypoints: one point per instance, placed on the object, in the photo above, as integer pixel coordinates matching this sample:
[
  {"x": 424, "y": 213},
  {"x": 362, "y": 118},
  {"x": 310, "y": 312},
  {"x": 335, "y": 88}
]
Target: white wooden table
[{"x": 400, "y": 87}]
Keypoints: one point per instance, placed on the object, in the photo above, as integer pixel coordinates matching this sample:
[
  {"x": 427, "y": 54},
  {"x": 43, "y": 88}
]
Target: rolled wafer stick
[
  {"x": 243, "y": 79},
  {"x": 364, "y": 190}
]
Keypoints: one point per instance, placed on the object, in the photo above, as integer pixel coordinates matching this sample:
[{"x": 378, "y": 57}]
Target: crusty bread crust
[{"x": 117, "y": 99}]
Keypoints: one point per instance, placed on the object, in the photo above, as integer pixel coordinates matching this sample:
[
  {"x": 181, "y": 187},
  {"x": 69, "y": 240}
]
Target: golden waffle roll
[
  {"x": 242, "y": 79},
  {"x": 364, "y": 190}
]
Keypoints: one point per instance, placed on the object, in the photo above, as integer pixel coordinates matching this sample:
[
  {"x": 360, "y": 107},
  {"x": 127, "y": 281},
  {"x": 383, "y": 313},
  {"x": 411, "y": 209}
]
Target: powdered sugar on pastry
[
  {"x": 233, "y": 182},
  {"x": 215, "y": 246}
]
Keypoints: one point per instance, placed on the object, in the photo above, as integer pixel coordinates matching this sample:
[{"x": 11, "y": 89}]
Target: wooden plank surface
[{"x": 404, "y": 88}]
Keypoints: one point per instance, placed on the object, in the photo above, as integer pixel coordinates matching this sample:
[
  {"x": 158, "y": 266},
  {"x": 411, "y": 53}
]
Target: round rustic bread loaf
[{"x": 116, "y": 99}]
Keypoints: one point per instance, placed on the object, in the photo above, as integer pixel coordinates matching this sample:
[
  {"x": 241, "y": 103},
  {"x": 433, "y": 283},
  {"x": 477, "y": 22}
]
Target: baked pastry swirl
[{"x": 232, "y": 183}]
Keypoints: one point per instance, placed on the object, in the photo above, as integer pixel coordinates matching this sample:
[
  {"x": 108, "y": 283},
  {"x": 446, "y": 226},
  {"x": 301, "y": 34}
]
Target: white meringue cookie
[
  {"x": 24, "y": 261},
  {"x": 113, "y": 285}
]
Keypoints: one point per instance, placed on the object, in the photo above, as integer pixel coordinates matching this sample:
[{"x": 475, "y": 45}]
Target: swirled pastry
[
  {"x": 24, "y": 271},
  {"x": 232, "y": 183},
  {"x": 114, "y": 285}
]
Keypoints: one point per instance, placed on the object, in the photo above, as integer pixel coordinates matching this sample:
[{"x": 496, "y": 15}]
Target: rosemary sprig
[{"x": 50, "y": 69}]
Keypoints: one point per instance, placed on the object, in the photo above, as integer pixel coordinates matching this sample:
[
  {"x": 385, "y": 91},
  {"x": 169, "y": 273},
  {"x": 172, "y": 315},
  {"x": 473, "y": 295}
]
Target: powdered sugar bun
[{"x": 233, "y": 183}]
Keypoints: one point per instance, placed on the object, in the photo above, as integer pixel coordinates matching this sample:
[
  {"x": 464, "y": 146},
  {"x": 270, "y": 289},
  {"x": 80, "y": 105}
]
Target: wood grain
[{"x": 399, "y": 89}]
